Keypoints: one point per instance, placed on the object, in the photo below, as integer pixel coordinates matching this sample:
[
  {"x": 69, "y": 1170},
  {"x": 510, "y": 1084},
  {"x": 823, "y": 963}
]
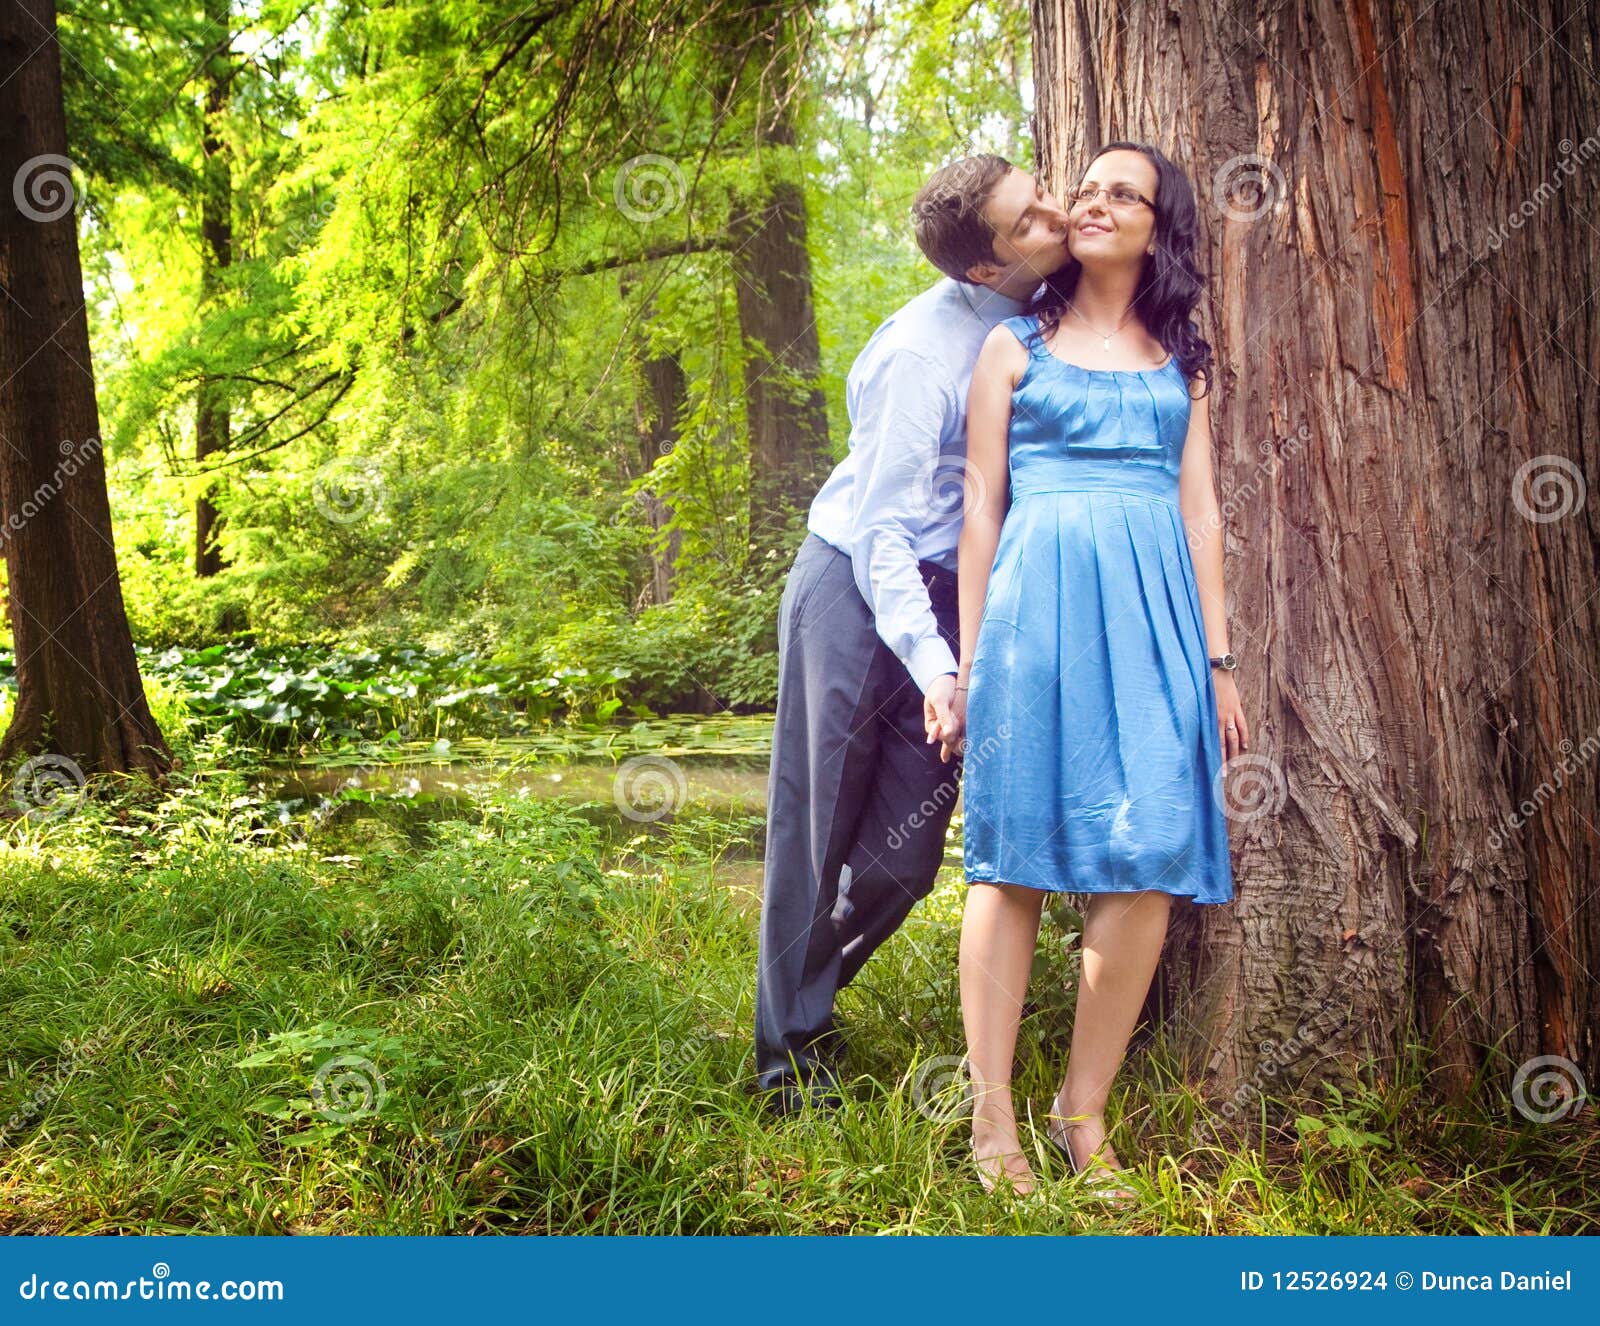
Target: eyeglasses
[{"x": 1118, "y": 196}]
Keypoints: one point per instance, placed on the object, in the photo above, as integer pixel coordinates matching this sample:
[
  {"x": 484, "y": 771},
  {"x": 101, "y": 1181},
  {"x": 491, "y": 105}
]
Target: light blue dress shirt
[{"x": 895, "y": 499}]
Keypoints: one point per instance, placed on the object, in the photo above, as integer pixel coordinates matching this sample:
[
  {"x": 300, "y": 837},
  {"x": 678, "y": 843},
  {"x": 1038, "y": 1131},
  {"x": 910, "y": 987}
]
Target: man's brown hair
[{"x": 948, "y": 210}]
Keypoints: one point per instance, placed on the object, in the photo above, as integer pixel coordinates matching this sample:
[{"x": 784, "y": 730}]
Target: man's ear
[{"x": 984, "y": 272}]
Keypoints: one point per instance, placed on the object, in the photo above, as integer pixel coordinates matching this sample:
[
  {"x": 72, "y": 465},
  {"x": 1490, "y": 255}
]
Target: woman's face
[{"x": 1105, "y": 231}]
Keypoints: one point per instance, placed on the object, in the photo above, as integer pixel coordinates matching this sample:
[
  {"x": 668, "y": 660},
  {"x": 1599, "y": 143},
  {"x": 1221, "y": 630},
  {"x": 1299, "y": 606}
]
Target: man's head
[{"x": 983, "y": 221}]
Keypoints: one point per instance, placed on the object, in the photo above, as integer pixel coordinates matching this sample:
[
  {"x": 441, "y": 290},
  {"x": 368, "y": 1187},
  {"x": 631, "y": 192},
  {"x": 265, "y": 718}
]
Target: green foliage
[
  {"x": 534, "y": 1019},
  {"x": 432, "y": 333}
]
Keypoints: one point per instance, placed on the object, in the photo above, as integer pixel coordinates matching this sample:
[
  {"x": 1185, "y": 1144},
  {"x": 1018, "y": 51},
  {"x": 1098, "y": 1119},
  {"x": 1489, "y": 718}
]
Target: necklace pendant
[{"x": 1107, "y": 344}]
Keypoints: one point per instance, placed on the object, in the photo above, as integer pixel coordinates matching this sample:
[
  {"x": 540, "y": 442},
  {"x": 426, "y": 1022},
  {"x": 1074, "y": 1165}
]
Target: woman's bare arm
[{"x": 1197, "y": 497}]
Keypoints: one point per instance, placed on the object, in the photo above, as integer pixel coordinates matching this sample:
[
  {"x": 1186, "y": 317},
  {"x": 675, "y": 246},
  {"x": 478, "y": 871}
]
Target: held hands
[
  {"x": 1229, "y": 710},
  {"x": 944, "y": 715},
  {"x": 939, "y": 717},
  {"x": 955, "y": 736}
]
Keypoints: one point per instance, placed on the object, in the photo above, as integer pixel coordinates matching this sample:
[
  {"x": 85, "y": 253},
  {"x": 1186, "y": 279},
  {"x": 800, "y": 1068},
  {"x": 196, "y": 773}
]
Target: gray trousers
[{"x": 857, "y": 806}]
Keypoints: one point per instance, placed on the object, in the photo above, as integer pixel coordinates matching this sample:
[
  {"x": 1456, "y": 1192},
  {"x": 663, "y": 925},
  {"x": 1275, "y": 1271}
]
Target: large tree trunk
[
  {"x": 216, "y": 255},
  {"x": 1401, "y": 255},
  {"x": 666, "y": 388},
  {"x": 785, "y": 408},
  {"x": 78, "y": 687}
]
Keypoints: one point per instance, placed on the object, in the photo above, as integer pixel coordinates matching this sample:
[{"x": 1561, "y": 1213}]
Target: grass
[{"x": 535, "y": 1019}]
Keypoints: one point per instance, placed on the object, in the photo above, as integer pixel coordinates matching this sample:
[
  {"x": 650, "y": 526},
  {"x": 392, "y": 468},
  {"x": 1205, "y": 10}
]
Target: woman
[{"x": 1096, "y": 691}]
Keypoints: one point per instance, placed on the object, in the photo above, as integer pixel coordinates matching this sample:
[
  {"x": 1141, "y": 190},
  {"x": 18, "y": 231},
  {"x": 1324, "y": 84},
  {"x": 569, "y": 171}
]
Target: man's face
[{"x": 1030, "y": 231}]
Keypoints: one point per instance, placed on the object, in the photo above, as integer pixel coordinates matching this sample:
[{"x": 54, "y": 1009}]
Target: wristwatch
[{"x": 1228, "y": 662}]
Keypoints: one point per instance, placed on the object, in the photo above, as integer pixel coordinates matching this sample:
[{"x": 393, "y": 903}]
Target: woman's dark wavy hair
[{"x": 1169, "y": 287}]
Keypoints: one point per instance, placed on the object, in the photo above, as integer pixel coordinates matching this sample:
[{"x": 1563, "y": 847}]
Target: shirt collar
[{"x": 990, "y": 304}]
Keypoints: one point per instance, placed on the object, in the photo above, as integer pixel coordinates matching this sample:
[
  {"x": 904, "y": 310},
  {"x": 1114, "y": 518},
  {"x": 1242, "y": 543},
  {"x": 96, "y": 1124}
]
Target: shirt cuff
[{"x": 930, "y": 657}]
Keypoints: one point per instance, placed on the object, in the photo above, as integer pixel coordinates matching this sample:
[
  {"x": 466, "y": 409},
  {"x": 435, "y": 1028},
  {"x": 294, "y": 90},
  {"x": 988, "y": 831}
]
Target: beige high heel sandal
[{"x": 1099, "y": 1178}]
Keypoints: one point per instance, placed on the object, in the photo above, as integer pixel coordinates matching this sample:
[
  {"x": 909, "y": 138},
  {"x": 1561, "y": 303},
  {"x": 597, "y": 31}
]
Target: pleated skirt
[{"x": 1093, "y": 759}]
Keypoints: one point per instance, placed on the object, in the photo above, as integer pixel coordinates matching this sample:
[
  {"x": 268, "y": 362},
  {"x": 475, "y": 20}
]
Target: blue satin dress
[{"x": 1093, "y": 754}]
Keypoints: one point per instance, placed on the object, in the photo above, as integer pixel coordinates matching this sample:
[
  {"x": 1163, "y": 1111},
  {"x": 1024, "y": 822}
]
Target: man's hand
[
  {"x": 938, "y": 716},
  {"x": 954, "y": 736},
  {"x": 944, "y": 715}
]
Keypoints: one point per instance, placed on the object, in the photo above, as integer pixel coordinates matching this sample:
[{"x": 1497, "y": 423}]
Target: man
[{"x": 859, "y": 797}]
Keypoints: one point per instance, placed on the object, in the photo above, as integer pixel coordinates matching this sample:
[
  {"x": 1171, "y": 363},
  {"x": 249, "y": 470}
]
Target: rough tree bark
[
  {"x": 1397, "y": 208},
  {"x": 78, "y": 687},
  {"x": 211, "y": 422},
  {"x": 666, "y": 385},
  {"x": 784, "y": 403}
]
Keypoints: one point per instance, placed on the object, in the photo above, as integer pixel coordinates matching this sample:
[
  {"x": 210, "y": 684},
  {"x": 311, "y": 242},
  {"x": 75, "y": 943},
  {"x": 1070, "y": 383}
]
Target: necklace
[{"x": 1105, "y": 337}]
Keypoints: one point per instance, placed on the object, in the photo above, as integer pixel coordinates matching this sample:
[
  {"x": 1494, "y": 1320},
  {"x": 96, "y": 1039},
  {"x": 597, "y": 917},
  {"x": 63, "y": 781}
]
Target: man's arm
[{"x": 902, "y": 489}]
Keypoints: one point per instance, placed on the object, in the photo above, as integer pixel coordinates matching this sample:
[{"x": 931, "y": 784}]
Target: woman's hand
[
  {"x": 1230, "y": 715},
  {"x": 955, "y": 729}
]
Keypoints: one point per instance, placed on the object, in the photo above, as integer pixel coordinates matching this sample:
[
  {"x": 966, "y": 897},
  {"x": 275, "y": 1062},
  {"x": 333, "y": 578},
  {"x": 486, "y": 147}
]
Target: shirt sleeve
[{"x": 899, "y": 420}]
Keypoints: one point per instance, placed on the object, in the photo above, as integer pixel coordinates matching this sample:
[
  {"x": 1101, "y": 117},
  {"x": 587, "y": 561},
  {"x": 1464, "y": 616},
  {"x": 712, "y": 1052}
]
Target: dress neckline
[{"x": 1084, "y": 368}]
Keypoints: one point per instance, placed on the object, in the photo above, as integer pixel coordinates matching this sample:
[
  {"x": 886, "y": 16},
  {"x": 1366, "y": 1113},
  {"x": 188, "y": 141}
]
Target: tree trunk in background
[
  {"x": 1402, "y": 258},
  {"x": 666, "y": 386},
  {"x": 78, "y": 688},
  {"x": 787, "y": 413},
  {"x": 663, "y": 390},
  {"x": 216, "y": 254}
]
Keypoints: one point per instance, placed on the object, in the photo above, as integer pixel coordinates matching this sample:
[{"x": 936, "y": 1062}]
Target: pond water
[
  {"x": 672, "y": 763},
  {"x": 628, "y": 779},
  {"x": 706, "y": 785}
]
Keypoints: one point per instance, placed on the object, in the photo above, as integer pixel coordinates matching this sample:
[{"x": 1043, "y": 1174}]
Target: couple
[{"x": 1078, "y": 669}]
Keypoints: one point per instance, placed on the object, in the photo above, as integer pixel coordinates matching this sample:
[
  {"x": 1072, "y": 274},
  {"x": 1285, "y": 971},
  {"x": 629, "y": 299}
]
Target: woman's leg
[
  {"x": 1122, "y": 938},
  {"x": 999, "y": 929}
]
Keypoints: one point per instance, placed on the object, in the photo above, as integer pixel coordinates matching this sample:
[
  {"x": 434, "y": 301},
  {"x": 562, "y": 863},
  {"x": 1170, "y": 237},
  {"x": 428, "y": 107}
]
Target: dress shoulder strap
[{"x": 1025, "y": 327}]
